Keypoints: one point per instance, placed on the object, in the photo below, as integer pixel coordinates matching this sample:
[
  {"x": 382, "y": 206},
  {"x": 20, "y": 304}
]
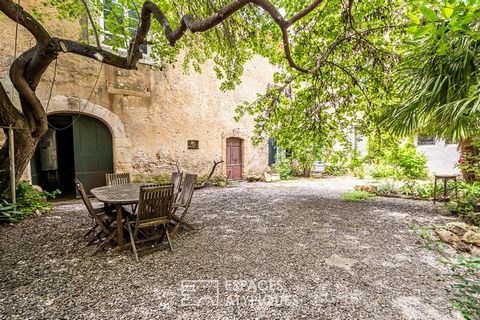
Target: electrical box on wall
[{"x": 48, "y": 151}]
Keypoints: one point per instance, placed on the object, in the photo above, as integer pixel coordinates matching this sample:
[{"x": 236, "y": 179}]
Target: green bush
[
  {"x": 9, "y": 212},
  {"x": 387, "y": 188},
  {"x": 355, "y": 196},
  {"x": 381, "y": 171},
  {"x": 283, "y": 166},
  {"x": 403, "y": 162},
  {"x": 337, "y": 163},
  {"x": 467, "y": 288},
  {"x": 425, "y": 190},
  {"x": 466, "y": 204},
  {"x": 29, "y": 200},
  {"x": 335, "y": 170},
  {"x": 413, "y": 165}
]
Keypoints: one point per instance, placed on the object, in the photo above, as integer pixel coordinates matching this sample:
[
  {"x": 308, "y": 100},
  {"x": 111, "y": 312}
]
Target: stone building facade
[{"x": 150, "y": 113}]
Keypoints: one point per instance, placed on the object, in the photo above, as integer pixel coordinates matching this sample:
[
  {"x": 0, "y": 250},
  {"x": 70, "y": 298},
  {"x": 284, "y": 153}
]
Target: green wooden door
[{"x": 93, "y": 151}]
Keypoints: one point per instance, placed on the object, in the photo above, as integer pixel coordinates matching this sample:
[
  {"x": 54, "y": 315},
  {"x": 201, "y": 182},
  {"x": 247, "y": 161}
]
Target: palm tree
[{"x": 439, "y": 79}]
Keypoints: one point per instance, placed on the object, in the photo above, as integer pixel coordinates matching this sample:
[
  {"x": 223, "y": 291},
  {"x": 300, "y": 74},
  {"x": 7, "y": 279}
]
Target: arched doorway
[
  {"x": 234, "y": 161},
  {"x": 74, "y": 147}
]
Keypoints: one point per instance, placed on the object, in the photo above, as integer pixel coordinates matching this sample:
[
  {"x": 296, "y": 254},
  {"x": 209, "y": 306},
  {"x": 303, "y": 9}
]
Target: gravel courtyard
[{"x": 286, "y": 250}]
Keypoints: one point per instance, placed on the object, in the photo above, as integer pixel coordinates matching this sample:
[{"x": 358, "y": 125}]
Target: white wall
[{"x": 442, "y": 158}]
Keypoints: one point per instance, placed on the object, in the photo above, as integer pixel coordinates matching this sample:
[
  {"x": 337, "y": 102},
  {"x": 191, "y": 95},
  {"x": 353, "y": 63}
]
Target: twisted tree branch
[{"x": 27, "y": 70}]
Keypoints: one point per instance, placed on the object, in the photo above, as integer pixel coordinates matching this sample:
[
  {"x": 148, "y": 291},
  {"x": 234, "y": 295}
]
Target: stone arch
[
  {"x": 235, "y": 133},
  {"x": 122, "y": 157}
]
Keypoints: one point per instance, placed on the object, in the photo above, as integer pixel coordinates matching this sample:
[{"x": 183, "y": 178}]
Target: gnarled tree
[
  {"x": 27, "y": 70},
  {"x": 334, "y": 56}
]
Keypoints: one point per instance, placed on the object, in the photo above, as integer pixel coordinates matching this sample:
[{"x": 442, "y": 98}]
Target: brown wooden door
[{"x": 234, "y": 158}]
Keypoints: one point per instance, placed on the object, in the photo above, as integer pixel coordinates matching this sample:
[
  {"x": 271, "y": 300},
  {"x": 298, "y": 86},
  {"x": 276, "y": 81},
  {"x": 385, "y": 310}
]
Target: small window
[
  {"x": 192, "y": 144},
  {"x": 114, "y": 10},
  {"x": 450, "y": 141},
  {"x": 425, "y": 140}
]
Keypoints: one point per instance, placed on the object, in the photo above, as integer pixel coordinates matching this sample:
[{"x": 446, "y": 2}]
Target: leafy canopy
[
  {"x": 352, "y": 47},
  {"x": 440, "y": 73}
]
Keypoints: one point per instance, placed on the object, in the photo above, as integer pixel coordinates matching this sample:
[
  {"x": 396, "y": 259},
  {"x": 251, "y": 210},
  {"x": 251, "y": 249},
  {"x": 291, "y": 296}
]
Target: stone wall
[{"x": 150, "y": 112}]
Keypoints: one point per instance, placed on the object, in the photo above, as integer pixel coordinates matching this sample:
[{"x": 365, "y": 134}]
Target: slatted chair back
[
  {"x": 176, "y": 181},
  {"x": 188, "y": 187},
  {"x": 154, "y": 203},
  {"x": 114, "y": 179},
  {"x": 89, "y": 206}
]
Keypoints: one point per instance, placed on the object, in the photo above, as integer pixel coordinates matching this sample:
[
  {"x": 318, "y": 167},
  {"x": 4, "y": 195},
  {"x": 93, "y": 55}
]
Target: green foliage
[
  {"x": 9, "y": 212},
  {"x": 381, "y": 170},
  {"x": 29, "y": 200},
  {"x": 426, "y": 190},
  {"x": 355, "y": 196},
  {"x": 467, "y": 286},
  {"x": 399, "y": 162},
  {"x": 469, "y": 162},
  {"x": 313, "y": 114},
  {"x": 387, "y": 188},
  {"x": 408, "y": 188},
  {"x": 440, "y": 72},
  {"x": 412, "y": 164},
  {"x": 411, "y": 188},
  {"x": 335, "y": 170},
  {"x": 467, "y": 203},
  {"x": 283, "y": 165},
  {"x": 337, "y": 164}
]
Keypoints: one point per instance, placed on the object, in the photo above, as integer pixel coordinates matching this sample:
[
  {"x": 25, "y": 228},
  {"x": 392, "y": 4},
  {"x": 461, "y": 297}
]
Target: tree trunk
[
  {"x": 24, "y": 149},
  {"x": 469, "y": 165},
  {"x": 27, "y": 69},
  {"x": 24, "y": 144},
  {"x": 307, "y": 171}
]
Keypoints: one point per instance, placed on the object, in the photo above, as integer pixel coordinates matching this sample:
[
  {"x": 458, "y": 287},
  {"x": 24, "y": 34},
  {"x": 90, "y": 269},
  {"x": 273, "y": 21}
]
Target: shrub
[
  {"x": 29, "y": 200},
  {"x": 389, "y": 187},
  {"x": 400, "y": 163},
  {"x": 467, "y": 289},
  {"x": 408, "y": 188},
  {"x": 425, "y": 190},
  {"x": 466, "y": 205},
  {"x": 413, "y": 165},
  {"x": 359, "y": 173},
  {"x": 335, "y": 170},
  {"x": 355, "y": 196},
  {"x": 336, "y": 164},
  {"x": 283, "y": 166},
  {"x": 380, "y": 171},
  {"x": 9, "y": 212}
]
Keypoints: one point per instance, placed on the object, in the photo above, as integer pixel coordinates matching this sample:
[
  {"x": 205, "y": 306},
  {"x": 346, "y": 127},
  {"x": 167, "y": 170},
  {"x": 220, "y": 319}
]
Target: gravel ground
[{"x": 286, "y": 250}]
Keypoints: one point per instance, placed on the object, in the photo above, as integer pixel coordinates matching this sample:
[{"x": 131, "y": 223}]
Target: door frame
[
  {"x": 121, "y": 143},
  {"x": 237, "y": 141},
  {"x": 244, "y": 138}
]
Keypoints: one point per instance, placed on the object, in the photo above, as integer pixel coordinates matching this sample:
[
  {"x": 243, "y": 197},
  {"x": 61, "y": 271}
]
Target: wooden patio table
[{"x": 119, "y": 195}]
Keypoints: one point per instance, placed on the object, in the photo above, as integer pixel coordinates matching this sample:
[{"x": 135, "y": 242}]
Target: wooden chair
[
  {"x": 113, "y": 179},
  {"x": 100, "y": 218},
  {"x": 183, "y": 202},
  {"x": 176, "y": 181},
  {"x": 154, "y": 208}
]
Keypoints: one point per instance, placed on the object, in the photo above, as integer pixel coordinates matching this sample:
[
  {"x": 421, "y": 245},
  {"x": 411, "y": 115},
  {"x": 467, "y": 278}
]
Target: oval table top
[{"x": 118, "y": 194}]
